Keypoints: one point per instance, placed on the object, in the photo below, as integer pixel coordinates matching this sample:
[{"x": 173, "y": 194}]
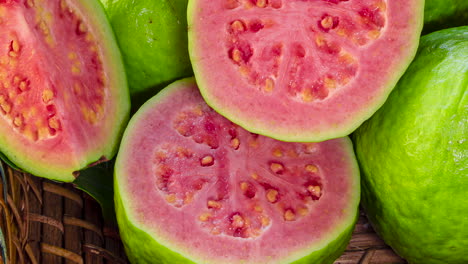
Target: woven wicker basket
[{"x": 55, "y": 223}]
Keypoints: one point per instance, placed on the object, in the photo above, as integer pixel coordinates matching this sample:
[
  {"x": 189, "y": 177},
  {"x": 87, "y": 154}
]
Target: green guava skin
[
  {"x": 413, "y": 155},
  {"x": 152, "y": 36},
  {"x": 440, "y": 14},
  {"x": 142, "y": 247}
]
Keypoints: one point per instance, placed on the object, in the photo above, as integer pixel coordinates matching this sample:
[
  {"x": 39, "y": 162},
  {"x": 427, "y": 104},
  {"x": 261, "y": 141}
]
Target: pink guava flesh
[
  {"x": 211, "y": 190},
  {"x": 301, "y": 70}
]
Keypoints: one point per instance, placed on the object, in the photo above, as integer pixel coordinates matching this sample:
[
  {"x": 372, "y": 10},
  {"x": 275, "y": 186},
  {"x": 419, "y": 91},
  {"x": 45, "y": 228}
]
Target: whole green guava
[
  {"x": 413, "y": 155},
  {"x": 152, "y": 36},
  {"x": 440, "y": 14}
]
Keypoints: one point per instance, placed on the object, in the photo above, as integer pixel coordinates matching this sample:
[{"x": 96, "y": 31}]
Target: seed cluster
[
  {"x": 276, "y": 188},
  {"x": 17, "y": 90},
  {"x": 260, "y": 61},
  {"x": 32, "y": 90}
]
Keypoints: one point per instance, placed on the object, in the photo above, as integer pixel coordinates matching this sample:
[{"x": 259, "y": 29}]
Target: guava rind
[
  {"x": 444, "y": 14},
  {"x": 152, "y": 36},
  {"x": 28, "y": 161},
  {"x": 133, "y": 230},
  {"x": 413, "y": 155}
]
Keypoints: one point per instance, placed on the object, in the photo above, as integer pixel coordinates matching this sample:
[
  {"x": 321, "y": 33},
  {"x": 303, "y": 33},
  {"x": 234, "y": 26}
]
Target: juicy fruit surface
[
  {"x": 414, "y": 155},
  {"x": 204, "y": 188},
  {"x": 301, "y": 70},
  {"x": 153, "y": 38},
  {"x": 57, "y": 98}
]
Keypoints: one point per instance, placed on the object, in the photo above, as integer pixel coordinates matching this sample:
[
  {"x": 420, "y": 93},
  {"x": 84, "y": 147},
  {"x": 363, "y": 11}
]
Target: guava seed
[
  {"x": 54, "y": 123},
  {"x": 15, "y": 46},
  {"x": 272, "y": 195},
  {"x": 277, "y": 168},
  {"x": 302, "y": 211},
  {"x": 237, "y": 221},
  {"x": 81, "y": 28},
  {"x": 277, "y": 153},
  {"x": 204, "y": 217},
  {"x": 207, "y": 160},
  {"x": 328, "y": 22},
  {"x": 314, "y": 190},
  {"x": 24, "y": 85},
  {"x": 236, "y": 55},
  {"x": 29, "y": 3},
  {"x": 18, "y": 120},
  {"x": 6, "y": 107},
  {"x": 311, "y": 168},
  {"x": 231, "y": 4},
  {"x": 248, "y": 189},
  {"x": 214, "y": 204},
  {"x": 289, "y": 215},
  {"x": 47, "y": 95},
  {"x": 238, "y": 26},
  {"x": 254, "y": 176},
  {"x": 260, "y": 3},
  {"x": 265, "y": 221},
  {"x": 269, "y": 85},
  {"x": 235, "y": 143},
  {"x": 171, "y": 198}
]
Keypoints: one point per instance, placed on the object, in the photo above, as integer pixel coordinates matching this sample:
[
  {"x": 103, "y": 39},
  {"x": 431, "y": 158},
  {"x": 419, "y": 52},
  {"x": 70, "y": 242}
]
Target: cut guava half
[
  {"x": 301, "y": 70},
  {"x": 63, "y": 92},
  {"x": 191, "y": 186}
]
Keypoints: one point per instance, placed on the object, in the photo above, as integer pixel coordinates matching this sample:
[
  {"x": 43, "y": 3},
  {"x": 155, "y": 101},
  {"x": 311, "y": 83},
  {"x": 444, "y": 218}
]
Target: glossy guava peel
[
  {"x": 413, "y": 154},
  {"x": 152, "y": 36}
]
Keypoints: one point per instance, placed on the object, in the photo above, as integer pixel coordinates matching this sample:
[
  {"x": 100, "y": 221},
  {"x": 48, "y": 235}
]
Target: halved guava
[
  {"x": 301, "y": 70},
  {"x": 414, "y": 155},
  {"x": 63, "y": 91},
  {"x": 191, "y": 186}
]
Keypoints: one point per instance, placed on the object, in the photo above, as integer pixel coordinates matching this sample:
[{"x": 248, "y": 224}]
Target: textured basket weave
[{"x": 54, "y": 223}]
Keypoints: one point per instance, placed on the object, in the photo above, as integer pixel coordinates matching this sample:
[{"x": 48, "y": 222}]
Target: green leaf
[
  {"x": 5, "y": 183},
  {"x": 9, "y": 162},
  {"x": 98, "y": 182},
  {"x": 3, "y": 247},
  {"x": 5, "y": 196}
]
